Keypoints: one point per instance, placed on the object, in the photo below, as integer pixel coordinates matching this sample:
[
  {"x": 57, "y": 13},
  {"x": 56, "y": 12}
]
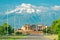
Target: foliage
[
  {"x": 4, "y": 28},
  {"x": 27, "y": 33},
  {"x": 56, "y": 27},
  {"x": 18, "y": 33},
  {"x": 48, "y": 30},
  {"x": 59, "y": 36}
]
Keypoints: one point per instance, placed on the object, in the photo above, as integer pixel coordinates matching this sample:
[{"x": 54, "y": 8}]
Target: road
[{"x": 35, "y": 37}]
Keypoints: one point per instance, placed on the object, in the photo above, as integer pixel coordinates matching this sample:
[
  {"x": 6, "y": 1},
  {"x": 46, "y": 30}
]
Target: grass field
[
  {"x": 52, "y": 37},
  {"x": 8, "y": 39},
  {"x": 11, "y": 37}
]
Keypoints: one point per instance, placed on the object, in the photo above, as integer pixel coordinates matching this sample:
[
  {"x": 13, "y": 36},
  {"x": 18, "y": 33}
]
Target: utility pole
[
  {"x": 7, "y": 24},
  {"x": 36, "y": 28},
  {"x": 46, "y": 30},
  {"x": 14, "y": 25}
]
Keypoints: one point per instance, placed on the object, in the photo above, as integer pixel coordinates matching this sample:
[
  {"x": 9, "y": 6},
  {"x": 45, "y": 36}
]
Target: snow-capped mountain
[{"x": 30, "y": 14}]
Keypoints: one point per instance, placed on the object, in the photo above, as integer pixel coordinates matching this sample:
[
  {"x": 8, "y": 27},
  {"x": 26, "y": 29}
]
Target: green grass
[
  {"x": 8, "y": 39},
  {"x": 52, "y": 37},
  {"x": 11, "y": 37}
]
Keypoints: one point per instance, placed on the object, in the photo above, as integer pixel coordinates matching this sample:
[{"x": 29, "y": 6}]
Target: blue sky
[
  {"x": 32, "y": 11},
  {"x": 37, "y": 2},
  {"x": 10, "y": 4}
]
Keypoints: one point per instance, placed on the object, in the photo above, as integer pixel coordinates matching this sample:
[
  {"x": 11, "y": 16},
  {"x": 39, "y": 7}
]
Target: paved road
[{"x": 35, "y": 37}]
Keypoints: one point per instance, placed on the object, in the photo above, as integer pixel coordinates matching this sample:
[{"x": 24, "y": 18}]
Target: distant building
[{"x": 32, "y": 29}]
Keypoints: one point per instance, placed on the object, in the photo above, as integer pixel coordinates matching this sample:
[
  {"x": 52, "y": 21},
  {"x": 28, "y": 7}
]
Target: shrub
[
  {"x": 59, "y": 36},
  {"x": 18, "y": 33}
]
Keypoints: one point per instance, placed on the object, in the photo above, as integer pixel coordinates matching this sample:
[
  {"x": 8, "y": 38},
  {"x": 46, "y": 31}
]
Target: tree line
[{"x": 54, "y": 28}]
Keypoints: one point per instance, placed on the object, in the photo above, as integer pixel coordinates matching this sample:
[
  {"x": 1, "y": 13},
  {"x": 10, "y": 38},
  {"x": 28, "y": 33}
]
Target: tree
[
  {"x": 56, "y": 27},
  {"x": 49, "y": 30},
  {"x": 3, "y": 29}
]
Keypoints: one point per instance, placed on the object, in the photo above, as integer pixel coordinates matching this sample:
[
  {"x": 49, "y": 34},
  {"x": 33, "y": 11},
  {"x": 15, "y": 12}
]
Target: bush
[
  {"x": 28, "y": 33},
  {"x": 18, "y": 33},
  {"x": 49, "y": 31},
  {"x": 59, "y": 36}
]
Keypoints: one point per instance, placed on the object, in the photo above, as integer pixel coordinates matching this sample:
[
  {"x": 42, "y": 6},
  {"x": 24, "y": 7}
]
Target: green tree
[
  {"x": 4, "y": 28},
  {"x": 49, "y": 30},
  {"x": 56, "y": 27}
]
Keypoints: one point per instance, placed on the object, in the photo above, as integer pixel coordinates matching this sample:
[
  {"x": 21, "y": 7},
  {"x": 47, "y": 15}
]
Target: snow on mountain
[{"x": 31, "y": 14}]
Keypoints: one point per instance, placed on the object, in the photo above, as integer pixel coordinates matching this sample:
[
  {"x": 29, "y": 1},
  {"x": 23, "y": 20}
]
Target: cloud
[
  {"x": 28, "y": 8},
  {"x": 56, "y": 8}
]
